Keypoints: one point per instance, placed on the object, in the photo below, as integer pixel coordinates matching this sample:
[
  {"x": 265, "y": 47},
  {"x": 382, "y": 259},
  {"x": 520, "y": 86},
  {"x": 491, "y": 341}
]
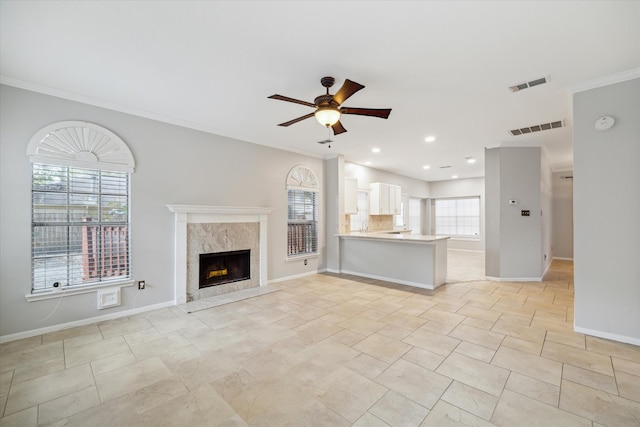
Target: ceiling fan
[{"x": 328, "y": 107}]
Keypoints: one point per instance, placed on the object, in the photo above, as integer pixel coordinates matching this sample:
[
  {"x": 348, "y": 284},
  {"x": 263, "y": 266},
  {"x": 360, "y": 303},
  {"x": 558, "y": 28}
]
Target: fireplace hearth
[{"x": 224, "y": 267}]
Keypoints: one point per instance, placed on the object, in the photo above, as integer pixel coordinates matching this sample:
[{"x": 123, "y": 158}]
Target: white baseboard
[
  {"x": 83, "y": 322},
  {"x": 296, "y": 276},
  {"x": 478, "y": 251},
  {"x": 391, "y": 280},
  {"x": 607, "y": 335},
  {"x": 559, "y": 258},
  {"x": 514, "y": 279}
]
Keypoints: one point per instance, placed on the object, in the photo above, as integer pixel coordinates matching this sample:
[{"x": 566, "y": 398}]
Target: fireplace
[
  {"x": 209, "y": 229},
  {"x": 224, "y": 267}
]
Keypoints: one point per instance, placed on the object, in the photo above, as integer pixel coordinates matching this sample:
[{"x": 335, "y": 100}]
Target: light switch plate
[{"x": 109, "y": 297}]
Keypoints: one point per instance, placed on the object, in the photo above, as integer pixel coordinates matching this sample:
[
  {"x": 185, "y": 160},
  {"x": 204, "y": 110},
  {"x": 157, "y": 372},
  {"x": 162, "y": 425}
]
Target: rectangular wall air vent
[
  {"x": 526, "y": 85},
  {"x": 537, "y": 128}
]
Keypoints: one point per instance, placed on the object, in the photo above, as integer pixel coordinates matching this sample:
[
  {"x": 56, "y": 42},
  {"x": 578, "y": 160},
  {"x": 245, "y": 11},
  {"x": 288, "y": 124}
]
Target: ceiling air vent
[
  {"x": 537, "y": 128},
  {"x": 445, "y": 167},
  {"x": 526, "y": 85}
]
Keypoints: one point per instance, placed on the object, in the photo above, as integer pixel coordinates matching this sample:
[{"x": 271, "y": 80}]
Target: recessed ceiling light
[
  {"x": 375, "y": 150},
  {"x": 367, "y": 163},
  {"x": 426, "y": 167},
  {"x": 470, "y": 160},
  {"x": 430, "y": 139},
  {"x": 454, "y": 176}
]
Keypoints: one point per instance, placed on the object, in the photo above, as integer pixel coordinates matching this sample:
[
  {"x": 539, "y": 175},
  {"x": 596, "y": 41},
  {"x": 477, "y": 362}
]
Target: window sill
[
  {"x": 76, "y": 290},
  {"x": 301, "y": 257}
]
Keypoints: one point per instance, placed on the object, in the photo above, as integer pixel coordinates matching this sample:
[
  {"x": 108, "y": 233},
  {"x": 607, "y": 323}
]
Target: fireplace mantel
[{"x": 188, "y": 214}]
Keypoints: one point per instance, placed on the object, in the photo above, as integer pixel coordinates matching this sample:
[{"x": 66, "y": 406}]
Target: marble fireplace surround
[{"x": 203, "y": 215}]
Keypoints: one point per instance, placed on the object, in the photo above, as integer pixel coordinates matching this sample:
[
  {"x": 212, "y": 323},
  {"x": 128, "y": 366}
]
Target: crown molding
[{"x": 620, "y": 77}]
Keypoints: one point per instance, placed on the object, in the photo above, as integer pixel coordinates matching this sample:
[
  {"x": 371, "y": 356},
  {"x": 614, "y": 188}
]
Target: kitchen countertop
[{"x": 394, "y": 236}]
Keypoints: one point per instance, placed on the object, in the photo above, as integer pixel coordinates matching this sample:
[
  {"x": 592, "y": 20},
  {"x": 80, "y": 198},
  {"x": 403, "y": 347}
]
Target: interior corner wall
[
  {"x": 606, "y": 189},
  {"x": 562, "y": 217},
  {"x": 546, "y": 212},
  {"x": 174, "y": 165},
  {"x": 492, "y": 212},
  {"x": 334, "y": 177},
  {"x": 516, "y": 252}
]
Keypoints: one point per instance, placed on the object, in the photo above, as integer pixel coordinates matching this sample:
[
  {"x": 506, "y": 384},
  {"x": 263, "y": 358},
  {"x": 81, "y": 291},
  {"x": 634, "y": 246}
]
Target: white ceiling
[{"x": 443, "y": 67}]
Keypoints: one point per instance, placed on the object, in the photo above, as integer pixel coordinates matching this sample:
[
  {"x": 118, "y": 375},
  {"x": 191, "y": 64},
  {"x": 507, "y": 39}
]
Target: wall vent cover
[
  {"x": 527, "y": 85},
  {"x": 537, "y": 128}
]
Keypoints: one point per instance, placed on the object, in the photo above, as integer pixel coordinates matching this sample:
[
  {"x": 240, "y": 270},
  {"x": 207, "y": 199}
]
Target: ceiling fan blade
[
  {"x": 383, "y": 113},
  {"x": 299, "y": 119},
  {"x": 296, "y": 101},
  {"x": 338, "y": 128},
  {"x": 347, "y": 89}
]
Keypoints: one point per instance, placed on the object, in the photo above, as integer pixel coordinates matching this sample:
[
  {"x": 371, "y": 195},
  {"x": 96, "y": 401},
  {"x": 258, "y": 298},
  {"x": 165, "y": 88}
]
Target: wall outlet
[{"x": 141, "y": 284}]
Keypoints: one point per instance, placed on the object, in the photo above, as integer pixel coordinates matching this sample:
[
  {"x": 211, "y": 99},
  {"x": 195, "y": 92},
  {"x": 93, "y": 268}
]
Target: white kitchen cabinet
[
  {"x": 350, "y": 196},
  {"x": 384, "y": 199},
  {"x": 395, "y": 199}
]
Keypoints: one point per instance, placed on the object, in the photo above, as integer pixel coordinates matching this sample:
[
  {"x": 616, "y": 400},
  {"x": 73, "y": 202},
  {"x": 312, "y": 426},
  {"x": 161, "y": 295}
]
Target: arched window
[
  {"x": 80, "y": 193},
  {"x": 302, "y": 217}
]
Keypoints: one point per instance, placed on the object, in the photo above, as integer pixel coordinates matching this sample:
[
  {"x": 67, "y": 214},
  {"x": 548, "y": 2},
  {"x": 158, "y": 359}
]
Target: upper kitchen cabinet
[
  {"x": 350, "y": 196},
  {"x": 384, "y": 199}
]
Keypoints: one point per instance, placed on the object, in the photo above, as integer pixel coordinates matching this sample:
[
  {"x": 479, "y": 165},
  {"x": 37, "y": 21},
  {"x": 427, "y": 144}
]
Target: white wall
[
  {"x": 606, "y": 212},
  {"x": 174, "y": 165},
  {"x": 462, "y": 188}
]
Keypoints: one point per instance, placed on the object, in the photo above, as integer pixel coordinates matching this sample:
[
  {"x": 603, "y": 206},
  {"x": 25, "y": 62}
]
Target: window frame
[
  {"x": 302, "y": 183},
  {"x": 84, "y": 145},
  {"x": 457, "y": 217},
  {"x": 88, "y": 238}
]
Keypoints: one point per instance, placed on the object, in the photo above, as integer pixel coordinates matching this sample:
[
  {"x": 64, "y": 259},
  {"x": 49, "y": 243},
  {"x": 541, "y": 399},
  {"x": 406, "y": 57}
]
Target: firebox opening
[{"x": 224, "y": 267}]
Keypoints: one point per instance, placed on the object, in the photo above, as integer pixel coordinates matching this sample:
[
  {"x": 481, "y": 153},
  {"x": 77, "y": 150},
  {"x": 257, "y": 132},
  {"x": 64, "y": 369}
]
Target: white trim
[
  {"x": 620, "y": 77},
  {"x": 607, "y": 335},
  {"x": 466, "y": 250},
  {"x": 220, "y": 210},
  {"x": 514, "y": 279},
  {"x": 189, "y": 214},
  {"x": 297, "y": 276},
  {"x": 63, "y": 293},
  {"x": 81, "y": 144},
  {"x": 392, "y": 280},
  {"x": 302, "y": 257},
  {"x": 83, "y": 322},
  {"x": 559, "y": 258}
]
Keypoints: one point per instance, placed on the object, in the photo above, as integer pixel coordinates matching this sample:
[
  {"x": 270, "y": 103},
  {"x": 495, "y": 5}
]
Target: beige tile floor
[{"x": 330, "y": 350}]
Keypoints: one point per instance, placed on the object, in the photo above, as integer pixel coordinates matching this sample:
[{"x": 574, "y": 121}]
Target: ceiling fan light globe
[{"x": 327, "y": 116}]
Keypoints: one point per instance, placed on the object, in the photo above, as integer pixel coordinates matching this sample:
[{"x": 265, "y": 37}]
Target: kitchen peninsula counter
[{"x": 408, "y": 259}]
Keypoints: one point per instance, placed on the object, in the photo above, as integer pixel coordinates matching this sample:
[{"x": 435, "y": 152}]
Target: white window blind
[
  {"x": 80, "y": 226},
  {"x": 415, "y": 215},
  {"x": 302, "y": 226},
  {"x": 458, "y": 217}
]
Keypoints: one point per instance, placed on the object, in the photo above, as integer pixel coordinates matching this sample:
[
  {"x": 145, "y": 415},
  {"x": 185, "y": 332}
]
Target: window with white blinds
[
  {"x": 80, "y": 226},
  {"x": 458, "y": 217},
  {"x": 302, "y": 224}
]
